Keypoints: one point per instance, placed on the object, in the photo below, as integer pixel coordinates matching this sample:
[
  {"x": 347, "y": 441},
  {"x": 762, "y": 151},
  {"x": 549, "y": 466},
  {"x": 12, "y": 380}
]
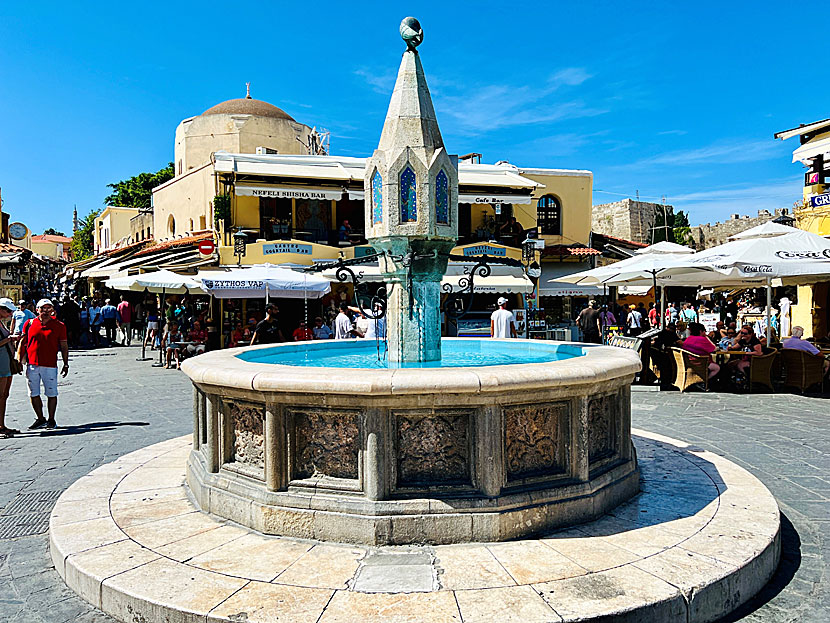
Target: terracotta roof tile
[{"x": 178, "y": 242}]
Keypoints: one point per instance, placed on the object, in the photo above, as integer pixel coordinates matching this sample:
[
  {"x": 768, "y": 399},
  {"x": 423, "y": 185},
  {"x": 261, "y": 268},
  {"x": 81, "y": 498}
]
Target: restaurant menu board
[{"x": 710, "y": 321}]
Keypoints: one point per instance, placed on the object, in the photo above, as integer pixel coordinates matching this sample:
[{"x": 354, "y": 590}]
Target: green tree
[
  {"x": 672, "y": 227},
  {"x": 137, "y": 191},
  {"x": 51, "y": 231},
  {"x": 84, "y": 239}
]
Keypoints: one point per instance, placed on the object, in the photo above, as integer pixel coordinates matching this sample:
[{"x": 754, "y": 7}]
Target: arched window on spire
[
  {"x": 442, "y": 198},
  {"x": 377, "y": 198},
  {"x": 409, "y": 201},
  {"x": 549, "y": 216}
]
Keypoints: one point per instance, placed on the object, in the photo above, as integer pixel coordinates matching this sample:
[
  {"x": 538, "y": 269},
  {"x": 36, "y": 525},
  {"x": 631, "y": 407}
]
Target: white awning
[
  {"x": 811, "y": 150},
  {"x": 568, "y": 289},
  {"x": 357, "y": 195},
  {"x": 487, "y": 198},
  {"x": 492, "y": 284},
  {"x": 286, "y": 192}
]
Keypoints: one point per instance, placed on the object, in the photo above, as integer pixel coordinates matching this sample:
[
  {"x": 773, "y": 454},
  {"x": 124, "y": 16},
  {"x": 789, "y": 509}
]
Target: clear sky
[{"x": 674, "y": 99}]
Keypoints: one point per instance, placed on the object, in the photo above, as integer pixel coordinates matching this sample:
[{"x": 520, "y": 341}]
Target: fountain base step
[{"x": 700, "y": 539}]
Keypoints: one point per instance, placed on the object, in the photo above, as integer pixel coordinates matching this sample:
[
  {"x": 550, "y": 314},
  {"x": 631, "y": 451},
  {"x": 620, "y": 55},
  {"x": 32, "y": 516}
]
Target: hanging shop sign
[
  {"x": 820, "y": 201},
  {"x": 485, "y": 249},
  {"x": 275, "y": 248},
  {"x": 278, "y": 192},
  {"x": 493, "y": 199}
]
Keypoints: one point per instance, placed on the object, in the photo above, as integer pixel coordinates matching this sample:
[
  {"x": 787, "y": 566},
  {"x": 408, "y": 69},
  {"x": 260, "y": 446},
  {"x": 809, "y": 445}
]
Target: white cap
[
  {"x": 8, "y": 304},
  {"x": 502, "y": 300},
  {"x": 43, "y": 302}
]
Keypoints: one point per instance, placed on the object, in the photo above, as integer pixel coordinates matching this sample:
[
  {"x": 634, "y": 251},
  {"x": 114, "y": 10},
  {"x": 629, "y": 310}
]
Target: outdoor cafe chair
[
  {"x": 691, "y": 369},
  {"x": 760, "y": 369},
  {"x": 802, "y": 369}
]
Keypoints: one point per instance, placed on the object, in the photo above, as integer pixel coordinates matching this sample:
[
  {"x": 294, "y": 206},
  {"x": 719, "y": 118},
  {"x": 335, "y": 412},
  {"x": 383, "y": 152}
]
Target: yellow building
[
  {"x": 813, "y": 215},
  {"x": 112, "y": 228}
]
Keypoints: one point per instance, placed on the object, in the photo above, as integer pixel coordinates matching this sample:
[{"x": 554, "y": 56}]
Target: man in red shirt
[
  {"x": 302, "y": 333},
  {"x": 42, "y": 338},
  {"x": 125, "y": 318}
]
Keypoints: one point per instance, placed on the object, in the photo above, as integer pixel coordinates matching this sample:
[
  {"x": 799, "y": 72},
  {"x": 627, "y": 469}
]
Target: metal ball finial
[{"x": 411, "y": 32}]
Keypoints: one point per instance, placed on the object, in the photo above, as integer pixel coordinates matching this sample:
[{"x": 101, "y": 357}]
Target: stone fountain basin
[{"x": 412, "y": 455}]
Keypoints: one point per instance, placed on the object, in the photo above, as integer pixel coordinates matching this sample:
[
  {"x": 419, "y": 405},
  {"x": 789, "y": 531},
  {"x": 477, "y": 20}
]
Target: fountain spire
[{"x": 411, "y": 189}]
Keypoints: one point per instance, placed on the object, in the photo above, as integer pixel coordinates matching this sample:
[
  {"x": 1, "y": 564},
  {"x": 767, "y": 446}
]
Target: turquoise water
[{"x": 455, "y": 353}]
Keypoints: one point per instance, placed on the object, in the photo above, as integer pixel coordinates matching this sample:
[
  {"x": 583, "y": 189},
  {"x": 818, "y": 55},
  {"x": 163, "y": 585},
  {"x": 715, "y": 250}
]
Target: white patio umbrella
[
  {"x": 263, "y": 280},
  {"x": 641, "y": 268},
  {"x": 758, "y": 256},
  {"x": 158, "y": 282}
]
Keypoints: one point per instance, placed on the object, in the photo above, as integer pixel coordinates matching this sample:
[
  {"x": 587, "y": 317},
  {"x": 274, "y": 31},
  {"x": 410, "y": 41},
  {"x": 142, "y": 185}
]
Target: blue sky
[{"x": 677, "y": 101}]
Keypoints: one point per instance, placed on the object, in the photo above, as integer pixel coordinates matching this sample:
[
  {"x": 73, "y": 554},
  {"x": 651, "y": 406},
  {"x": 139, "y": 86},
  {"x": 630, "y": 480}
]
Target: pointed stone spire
[
  {"x": 411, "y": 190},
  {"x": 247, "y": 90},
  {"x": 75, "y": 219}
]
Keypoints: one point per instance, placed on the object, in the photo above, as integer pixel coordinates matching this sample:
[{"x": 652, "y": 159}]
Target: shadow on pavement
[
  {"x": 790, "y": 562},
  {"x": 78, "y": 429}
]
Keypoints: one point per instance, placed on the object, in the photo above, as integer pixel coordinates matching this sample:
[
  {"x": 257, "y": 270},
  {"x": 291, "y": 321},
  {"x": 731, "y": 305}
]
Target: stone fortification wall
[
  {"x": 627, "y": 219},
  {"x": 708, "y": 235}
]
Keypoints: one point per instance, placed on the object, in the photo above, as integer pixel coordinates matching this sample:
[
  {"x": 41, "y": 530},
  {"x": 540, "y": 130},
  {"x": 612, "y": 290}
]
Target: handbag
[{"x": 14, "y": 365}]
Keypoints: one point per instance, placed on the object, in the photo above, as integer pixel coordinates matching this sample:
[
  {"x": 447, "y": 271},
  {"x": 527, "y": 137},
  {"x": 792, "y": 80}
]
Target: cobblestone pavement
[{"x": 111, "y": 404}]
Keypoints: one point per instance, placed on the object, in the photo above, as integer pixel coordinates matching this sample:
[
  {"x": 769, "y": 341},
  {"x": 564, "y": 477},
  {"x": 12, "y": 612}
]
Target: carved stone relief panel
[
  {"x": 247, "y": 420},
  {"x": 602, "y": 427},
  {"x": 327, "y": 443},
  {"x": 536, "y": 440},
  {"x": 433, "y": 448}
]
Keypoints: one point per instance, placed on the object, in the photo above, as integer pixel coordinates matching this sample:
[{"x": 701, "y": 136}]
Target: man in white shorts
[
  {"x": 502, "y": 322},
  {"x": 41, "y": 339}
]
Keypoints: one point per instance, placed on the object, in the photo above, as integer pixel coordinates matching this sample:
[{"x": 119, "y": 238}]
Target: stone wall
[
  {"x": 708, "y": 235},
  {"x": 627, "y": 219}
]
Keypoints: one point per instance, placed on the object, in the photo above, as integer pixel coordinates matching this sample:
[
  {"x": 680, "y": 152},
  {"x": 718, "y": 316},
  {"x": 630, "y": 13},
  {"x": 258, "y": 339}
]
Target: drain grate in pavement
[
  {"x": 34, "y": 502},
  {"x": 14, "y": 526}
]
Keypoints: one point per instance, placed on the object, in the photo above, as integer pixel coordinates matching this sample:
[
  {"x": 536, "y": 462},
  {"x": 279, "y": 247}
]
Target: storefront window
[
  {"x": 377, "y": 198},
  {"x": 409, "y": 203},
  {"x": 275, "y": 218},
  {"x": 313, "y": 216},
  {"x": 442, "y": 198}
]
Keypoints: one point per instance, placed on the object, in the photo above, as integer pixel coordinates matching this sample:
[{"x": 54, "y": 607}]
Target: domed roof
[{"x": 248, "y": 106}]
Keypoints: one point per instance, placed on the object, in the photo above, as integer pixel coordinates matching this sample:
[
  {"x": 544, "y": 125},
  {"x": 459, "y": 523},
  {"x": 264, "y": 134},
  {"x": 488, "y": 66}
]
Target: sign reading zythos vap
[{"x": 282, "y": 192}]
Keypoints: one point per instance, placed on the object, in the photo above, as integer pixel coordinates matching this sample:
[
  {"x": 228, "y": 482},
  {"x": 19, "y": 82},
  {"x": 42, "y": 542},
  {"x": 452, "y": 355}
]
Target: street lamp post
[{"x": 240, "y": 242}]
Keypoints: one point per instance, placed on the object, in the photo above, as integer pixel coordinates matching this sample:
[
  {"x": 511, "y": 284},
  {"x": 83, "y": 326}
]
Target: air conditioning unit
[{"x": 263, "y": 151}]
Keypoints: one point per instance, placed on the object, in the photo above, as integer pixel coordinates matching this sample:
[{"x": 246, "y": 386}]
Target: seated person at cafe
[
  {"x": 748, "y": 343},
  {"x": 237, "y": 336},
  {"x": 726, "y": 342},
  {"x": 172, "y": 344},
  {"x": 321, "y": 330},
  {"x": 698, "y": 344},
  {"x": 345, "y": 230},
  {"x": 302, "y": 333},
  {"x": 667, "y": 337},
  {"x": 199, "y": 338},
  {"x": 796, "y": 343},
  {"x": 718, "y": 334}
]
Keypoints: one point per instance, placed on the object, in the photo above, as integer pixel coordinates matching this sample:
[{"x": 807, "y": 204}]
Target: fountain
[{"x": 488, "y": 440}]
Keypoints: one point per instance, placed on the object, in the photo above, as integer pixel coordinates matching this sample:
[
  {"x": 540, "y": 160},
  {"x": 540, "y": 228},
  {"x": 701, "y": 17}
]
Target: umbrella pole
[
  {"x": 662, "y": 307},
  {"x": 162, "y": 324},
  {"x": 144, "y": 356},
  {"x": 769, "y": 309},
  {"x": 654, "y": 289}
]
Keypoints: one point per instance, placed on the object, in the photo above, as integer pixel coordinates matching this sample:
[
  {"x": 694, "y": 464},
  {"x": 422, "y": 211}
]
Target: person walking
[
  {"x": 125, "y": 317},
  {"x": 7, "y": 338},
  {"x": 502, "y": 321},
  {"x": 343, "y": 326},
  {"x": 71, "y": 317},
  {"x": 21, "y": 316},
  {"x": 634, "y": 321},
  {"x": 41, "y": 340},
  {"x": 268, "y": 330},
  {"x": 109, "y": 315},
  {"x": 95, "y": 321},
  {"x": 589, "y": 322}
]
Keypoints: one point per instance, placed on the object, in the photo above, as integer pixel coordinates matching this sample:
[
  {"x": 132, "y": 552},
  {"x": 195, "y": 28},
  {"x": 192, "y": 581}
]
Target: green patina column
[{"x": 411, "y": 189}]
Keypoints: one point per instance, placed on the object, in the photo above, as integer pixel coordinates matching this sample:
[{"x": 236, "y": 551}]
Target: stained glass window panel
[
  {"x": 409, "y": 204},
  {"x": 442, "y": 198},
  {"x": 377, "y": 198}
]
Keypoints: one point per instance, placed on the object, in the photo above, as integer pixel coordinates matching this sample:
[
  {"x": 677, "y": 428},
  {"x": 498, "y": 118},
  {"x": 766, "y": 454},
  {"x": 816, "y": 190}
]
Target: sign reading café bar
[
  {"x": 278, "y": 192},
  {"x": 820, "y": 201}
]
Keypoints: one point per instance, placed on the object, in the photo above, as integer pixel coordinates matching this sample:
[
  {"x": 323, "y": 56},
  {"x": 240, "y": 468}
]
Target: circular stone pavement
[{"x": 700, "y": 539}]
